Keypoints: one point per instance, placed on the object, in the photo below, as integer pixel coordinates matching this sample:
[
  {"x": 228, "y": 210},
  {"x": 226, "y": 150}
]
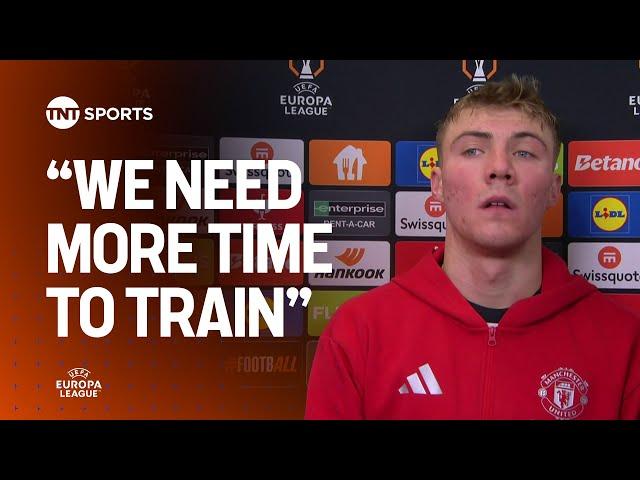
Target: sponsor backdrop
[{"x": 362, "y": 133}]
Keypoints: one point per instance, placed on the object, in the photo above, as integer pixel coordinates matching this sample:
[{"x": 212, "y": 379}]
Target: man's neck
[{"x": 494, "y": 281}]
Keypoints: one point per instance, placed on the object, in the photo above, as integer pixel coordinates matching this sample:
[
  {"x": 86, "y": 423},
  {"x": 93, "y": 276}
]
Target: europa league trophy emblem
[
  {"x": 478, "y": 75},
  {"x": 306, "y": 73}
]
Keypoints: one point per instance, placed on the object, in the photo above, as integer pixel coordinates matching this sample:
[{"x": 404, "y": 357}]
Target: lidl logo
[
  {"x": 610, "y": 214},
  {"x": 415, "y": 161},
  {"x": 427, "y": 161},
  {"x": 604, "y": 214},
  {"x": 609, "y": 257}
]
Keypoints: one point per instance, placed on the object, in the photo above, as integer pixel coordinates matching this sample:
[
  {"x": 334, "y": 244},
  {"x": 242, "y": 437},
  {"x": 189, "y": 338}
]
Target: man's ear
[
  {"x": 554, "y": 192},
  {"x": 436, "y": 184}
]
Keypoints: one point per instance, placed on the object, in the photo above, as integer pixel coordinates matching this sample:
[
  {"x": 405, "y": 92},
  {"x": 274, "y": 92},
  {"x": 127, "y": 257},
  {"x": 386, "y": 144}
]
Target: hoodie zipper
[{"x": 487, "y": 397}]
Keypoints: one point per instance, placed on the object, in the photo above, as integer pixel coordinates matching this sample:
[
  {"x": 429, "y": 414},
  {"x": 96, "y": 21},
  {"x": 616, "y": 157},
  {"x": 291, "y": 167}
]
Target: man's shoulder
[
  {"x": 606, "y": 308},
  {"x": 367, "y": 309}
]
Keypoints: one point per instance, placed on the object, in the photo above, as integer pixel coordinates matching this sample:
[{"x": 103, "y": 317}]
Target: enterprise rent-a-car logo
[{"x": 64, "y": 112}]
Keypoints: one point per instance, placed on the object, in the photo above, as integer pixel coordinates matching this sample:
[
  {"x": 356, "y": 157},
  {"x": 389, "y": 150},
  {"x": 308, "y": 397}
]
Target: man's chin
[{"x": 502, "y": 245}]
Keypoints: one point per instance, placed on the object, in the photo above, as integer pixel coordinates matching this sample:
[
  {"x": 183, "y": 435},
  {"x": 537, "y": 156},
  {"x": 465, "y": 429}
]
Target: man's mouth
[{"x": 495, "y": 202}]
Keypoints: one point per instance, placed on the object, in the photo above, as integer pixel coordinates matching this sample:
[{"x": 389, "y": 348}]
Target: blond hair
[{"x": 521, "y": 93}]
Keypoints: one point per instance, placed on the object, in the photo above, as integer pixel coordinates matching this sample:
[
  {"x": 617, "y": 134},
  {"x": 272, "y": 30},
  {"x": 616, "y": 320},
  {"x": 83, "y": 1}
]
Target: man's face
[{"x": 496, "y": 178}]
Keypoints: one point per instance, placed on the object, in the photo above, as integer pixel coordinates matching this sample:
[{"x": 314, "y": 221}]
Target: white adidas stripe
[
  {"x": 430, "y": 380},
  {"x": 416, "y": 385}
]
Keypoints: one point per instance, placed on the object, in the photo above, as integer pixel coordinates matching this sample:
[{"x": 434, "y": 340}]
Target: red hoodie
[{"x": 416, "y": 349}]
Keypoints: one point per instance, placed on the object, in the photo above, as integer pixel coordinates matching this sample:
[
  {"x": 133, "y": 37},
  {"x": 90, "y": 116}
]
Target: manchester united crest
[{"x": 563, "y": 393}]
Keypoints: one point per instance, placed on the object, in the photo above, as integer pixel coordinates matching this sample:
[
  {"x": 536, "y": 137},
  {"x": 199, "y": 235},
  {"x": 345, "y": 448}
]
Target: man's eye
[
  {"x": 471, "y": 152},
  {"x": 524, "y": 154}
]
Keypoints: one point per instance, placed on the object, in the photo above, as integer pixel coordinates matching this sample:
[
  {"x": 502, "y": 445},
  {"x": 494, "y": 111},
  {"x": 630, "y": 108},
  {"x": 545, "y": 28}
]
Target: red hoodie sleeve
[
  {"x": 631, "y": 402},
  {"x": 631, "y": 405},
  {"x": 334, "y": 391}
]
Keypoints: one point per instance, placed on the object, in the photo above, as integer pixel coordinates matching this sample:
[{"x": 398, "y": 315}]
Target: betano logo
[
  {"x": 604, "y": 163},
  {"x": 351, "y": 256},
  {"x": 609, "y": 257},
  {"x": 64, "y": 112},
  {"x": 609, "y": 214},
  {"x": 427, "y": 161}
]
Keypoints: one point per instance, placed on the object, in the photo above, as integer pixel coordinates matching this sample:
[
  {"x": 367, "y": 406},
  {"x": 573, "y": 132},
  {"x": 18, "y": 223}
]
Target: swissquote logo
[
  {"x": 606, "y": 265},
  {"x": 609, "y": 257},
  {"x": 416, "y": 382},
  {"x": 64, "y": 112},
  {"x": 307, "y": 101},
  {"x": 265, "y": 149},
  {"x": 78, "y": 385},
  {"x": 420, "y": 214},
  {"x": 563, "y": 393}
]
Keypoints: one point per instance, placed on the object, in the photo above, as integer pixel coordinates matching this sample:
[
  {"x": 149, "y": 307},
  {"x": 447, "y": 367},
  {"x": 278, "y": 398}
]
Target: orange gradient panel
[
  {"x": 141, "y": 376},
  {"x": 349, "y": 162},
  {"x": 553, "y": 220}
]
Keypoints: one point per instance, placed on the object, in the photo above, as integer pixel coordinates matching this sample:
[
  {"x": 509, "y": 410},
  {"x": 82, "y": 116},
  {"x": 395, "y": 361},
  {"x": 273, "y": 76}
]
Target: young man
[{"x": 492, "y": 326}]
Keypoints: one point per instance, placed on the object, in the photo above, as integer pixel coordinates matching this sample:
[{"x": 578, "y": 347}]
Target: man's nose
[{"x": 500, "y": 167}]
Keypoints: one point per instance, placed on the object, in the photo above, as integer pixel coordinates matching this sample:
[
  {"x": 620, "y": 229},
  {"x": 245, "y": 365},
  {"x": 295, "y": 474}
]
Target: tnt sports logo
[
  {"x": 609, "y": 257},
  {"x": 78, "y": 386},
  {"x": 262, "y": 151},
  {"x": 64, "y": 112},
  {"x": 563, "y": 393},
  {"x": 609, "y": 214},
  {"x": 433, "y": 207},
  {"x": 427, "y": 161}
]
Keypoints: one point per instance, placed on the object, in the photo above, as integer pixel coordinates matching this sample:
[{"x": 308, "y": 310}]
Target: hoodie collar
[{"x": 427, "y": 281}]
